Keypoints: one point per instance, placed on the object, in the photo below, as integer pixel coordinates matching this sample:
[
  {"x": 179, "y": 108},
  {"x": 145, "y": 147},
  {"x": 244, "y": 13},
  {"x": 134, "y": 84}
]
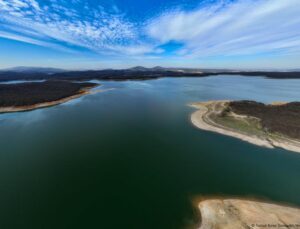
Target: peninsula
[
  {"x": 33, "y": 95},
  {"x": 271, "y": 125}
]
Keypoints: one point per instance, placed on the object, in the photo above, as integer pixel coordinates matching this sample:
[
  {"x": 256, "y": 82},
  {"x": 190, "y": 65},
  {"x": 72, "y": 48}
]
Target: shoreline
[
  {"x": 201, "y": 120},
  {"x": 12, "y": 109},
  {"x": 238, "y": 213}
]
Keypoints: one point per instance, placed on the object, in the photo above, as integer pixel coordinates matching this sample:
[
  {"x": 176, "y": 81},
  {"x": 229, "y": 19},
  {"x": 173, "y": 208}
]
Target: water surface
[{"x": 130, "y": 158}]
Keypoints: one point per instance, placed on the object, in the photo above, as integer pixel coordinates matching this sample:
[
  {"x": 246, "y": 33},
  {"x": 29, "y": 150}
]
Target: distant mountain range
[
  {"x": 159, "y": 68},
  {"x": 135, "y": 73},
  {"x": 23, "y": 69}
]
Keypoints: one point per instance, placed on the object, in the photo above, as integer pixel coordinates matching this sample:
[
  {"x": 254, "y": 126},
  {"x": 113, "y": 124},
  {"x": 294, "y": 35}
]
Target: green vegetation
[
  {"x": 281, "y": 120},
  {"x": 248, "y": 126},
  {"x": 27, "y": 94}
]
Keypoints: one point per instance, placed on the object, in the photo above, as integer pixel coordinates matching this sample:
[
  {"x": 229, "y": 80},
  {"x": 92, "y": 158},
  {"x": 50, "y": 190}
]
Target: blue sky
[{"x": 95, "y": 34}]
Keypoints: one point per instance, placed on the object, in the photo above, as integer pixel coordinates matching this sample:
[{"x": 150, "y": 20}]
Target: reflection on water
[{"x": 130, "y": 158}]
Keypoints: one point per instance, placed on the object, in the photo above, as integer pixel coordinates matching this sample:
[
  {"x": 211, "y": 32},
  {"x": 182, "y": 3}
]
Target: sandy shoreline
[
  {"x": 238, "y": 213},
  {"x": 201, "y": 119},
  {"x": 84, "y": 91}
]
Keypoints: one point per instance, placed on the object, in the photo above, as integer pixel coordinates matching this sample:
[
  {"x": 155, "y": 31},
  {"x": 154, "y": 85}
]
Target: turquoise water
[{"x": 130, "y": 158}]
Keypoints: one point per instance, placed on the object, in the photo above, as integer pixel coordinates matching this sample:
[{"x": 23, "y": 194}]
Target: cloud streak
[{"x": 238, "y": 28}]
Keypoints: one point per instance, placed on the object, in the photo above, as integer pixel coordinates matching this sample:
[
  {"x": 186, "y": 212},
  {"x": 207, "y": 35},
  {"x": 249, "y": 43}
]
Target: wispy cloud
[
  {"x": 29, "y": 40},
  {"x": 224, "y": 28},
  {"x": 241, "y": 27},
  {"x": 90, "y": 28}
]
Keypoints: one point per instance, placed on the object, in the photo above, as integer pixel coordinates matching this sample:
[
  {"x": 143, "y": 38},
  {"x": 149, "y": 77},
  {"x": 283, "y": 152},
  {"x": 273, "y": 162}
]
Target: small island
[
  {"x": 237, "y": 213},
  {"x": 268, "y": 125},
  {"x": 34, "y": 95}
]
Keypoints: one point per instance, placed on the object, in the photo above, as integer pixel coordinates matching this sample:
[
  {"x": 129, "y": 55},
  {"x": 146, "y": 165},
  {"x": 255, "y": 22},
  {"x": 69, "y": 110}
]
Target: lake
[{"x": 130, "y": 158}]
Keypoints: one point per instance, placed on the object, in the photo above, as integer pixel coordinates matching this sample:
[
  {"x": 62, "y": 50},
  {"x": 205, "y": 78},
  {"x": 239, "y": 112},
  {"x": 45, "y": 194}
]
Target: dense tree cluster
[
  {"x": 25, "y": 94},
  {"x": 284, "y": 119}
]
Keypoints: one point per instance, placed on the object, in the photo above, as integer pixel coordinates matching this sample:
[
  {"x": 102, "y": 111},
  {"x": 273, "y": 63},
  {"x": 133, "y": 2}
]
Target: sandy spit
[
  {"x": 200, "y": 119},
  {"x": 197, "y": 118}
]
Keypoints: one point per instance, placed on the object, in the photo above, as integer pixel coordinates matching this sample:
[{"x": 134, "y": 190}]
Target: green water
[{"x": 130, "y": 158}]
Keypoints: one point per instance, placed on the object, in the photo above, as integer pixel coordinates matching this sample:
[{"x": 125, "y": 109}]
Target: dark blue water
[{"x": 130, "y": 158}]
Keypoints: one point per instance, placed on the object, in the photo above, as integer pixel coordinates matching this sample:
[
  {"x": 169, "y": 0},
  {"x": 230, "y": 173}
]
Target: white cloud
[
  {"x": 34, "y": 4},
  {"x": 135, "y": 50},
  {"x": 33, "y": 41},
  {"x": 91, "y": 28},
  {"x": 244, "y": 27},
  {"x": 241, "y": 27}
]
